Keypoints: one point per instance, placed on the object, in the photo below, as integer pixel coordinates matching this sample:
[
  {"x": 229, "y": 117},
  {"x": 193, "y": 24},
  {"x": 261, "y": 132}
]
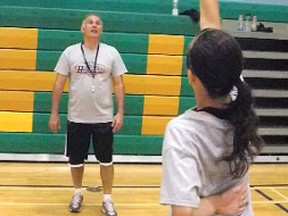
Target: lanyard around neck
[{"x": 93, "y": 72}]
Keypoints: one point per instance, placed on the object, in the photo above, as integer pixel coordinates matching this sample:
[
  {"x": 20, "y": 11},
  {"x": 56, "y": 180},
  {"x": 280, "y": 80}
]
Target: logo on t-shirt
[{"x": 83, "y": 69}]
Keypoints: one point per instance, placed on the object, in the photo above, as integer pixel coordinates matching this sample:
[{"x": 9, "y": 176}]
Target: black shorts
[{"x": 79, "y": 139}]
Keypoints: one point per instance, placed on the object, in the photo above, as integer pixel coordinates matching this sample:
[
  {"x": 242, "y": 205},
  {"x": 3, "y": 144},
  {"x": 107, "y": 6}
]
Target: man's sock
[
  {"x": 78, "y": 191},
  {"x": 107, "y": 197}
]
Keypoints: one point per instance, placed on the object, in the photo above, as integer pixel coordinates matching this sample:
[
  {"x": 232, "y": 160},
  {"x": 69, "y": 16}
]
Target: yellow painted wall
[
  {"x": 16, "y": 122},
  {"x": 16, "y": 101},
  {"x": 18, "y": 38}
]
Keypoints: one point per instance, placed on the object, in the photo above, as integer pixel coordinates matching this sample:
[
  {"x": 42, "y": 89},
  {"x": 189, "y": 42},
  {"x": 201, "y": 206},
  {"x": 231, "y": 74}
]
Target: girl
[{"x": 207, "y": 150}]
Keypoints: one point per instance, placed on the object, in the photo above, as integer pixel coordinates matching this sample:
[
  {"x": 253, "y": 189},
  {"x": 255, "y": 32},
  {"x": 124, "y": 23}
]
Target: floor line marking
[
  {"x": 270, "y": 199},
  {"x": 280, "y": 194}
]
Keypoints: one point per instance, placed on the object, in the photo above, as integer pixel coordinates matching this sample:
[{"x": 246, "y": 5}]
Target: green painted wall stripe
[
  {"x": 32, "y": 143},
  {"x": 68, "y": 19},
  {"x": 58, "y": 40},
  {"x": 54, "y": 144},
  {"x": 186, "y": 103},
  {"x": 134, "y": 105},
  {"x": 50, "y": 39},
  {"x": 46, "y": 60},
  {"x": 135, "y": 63},
  {"x": 270, "y": 12},
  {"x": 186, "y": 89},
  {"x": 127, "y": 42},
  {"x": 42, "y": 103},
  {"x": 40, "y": 123},
  {"x": 131, "y": 126},
  {"x": 138, "y": 145},
  {"x": 124, "y": 42},
  {"x": 187, "y": 41},
  {"x": 147, "y": 6},
  {"x": 184, "y": 69},
  {"x": 266, "y": 11}
]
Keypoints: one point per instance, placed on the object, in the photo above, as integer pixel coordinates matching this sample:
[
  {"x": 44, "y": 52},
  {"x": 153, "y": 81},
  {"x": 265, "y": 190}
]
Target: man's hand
[
  {"x": 54, "y": 123},
  {"x": 117, "y": 122}
]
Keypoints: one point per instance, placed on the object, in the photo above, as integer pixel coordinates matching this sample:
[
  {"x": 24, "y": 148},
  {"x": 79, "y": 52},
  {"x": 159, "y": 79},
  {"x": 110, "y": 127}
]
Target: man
[{"x": 92, "y": 68}]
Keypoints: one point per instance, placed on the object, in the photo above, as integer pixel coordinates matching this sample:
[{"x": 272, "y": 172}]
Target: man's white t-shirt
[{"x": 90, "y": 98}]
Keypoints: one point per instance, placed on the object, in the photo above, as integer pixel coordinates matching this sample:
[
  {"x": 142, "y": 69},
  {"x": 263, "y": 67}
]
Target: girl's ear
[{"x": 191, "y": 76}]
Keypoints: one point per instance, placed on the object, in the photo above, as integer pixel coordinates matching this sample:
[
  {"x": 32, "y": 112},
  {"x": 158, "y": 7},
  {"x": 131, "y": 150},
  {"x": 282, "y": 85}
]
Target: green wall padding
[
  {"x": 186, "y": 89},
  {"x": 134, "y": 105},
  {"x": 186, "y": 103},
  {"x": 187, "y": 41},
  {"x": 32, "y": 143},
  {"x": 266, "y": 11},
  {"x": 42, "y": 102},
  {"x": 135, "y": 63},
  {"x": 138, "y": 145},
  {"x": 184, "y": 68},
  {"x": 124, "y": 42},
  {"x": 55, "y": 143},
  {"x": 127, "y": 42},
  {"x": 40, "y": 123},
  {"x": 132, "y": 124},
  {"x": 136, "y": 6},
  {"x": 47, "y": 60},
  {"x": 57, "y": 40},
  {"x": 113, "y": 21}
]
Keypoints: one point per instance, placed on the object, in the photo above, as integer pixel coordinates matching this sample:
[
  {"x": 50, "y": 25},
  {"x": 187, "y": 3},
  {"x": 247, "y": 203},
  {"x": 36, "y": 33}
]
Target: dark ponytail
[
  {"x": 246, "y": 143},
  {"x": 215, "y": 57}
]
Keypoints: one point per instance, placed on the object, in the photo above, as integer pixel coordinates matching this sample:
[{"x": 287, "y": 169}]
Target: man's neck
[{"x": 91, "y": 44}]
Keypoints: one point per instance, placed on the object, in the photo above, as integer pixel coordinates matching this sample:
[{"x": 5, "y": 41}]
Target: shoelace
[
  {"x": 109, "y": 206},
  {"x": 76, "y": 200}
]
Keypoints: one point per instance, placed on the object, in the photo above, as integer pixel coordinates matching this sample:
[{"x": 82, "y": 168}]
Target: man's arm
[
  {"x": 209, "y": 14},
  {"x": 120, "y": 100},
  {"x": 231, "y": 202},
  {"x": 54, "y": 122}
]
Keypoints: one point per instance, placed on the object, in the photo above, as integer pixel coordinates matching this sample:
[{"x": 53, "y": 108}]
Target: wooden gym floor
[{"x": 30, "y": 189}]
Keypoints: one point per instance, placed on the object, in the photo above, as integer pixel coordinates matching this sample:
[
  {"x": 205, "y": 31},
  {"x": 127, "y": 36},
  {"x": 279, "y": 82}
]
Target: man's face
[{"x": 92, "y": 27}]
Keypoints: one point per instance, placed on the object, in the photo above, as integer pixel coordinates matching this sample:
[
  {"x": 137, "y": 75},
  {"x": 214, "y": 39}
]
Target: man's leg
[
  {"x": 77, "y": 176},
  {"x": 107, "y": 176},
  {"x": 77, "y": 199},
  {"x": 78, "y": 140},
  {"x": 103, "y": 147}
]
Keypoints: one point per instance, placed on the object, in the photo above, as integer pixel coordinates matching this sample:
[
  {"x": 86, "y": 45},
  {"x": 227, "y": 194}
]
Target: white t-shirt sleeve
[
  {"x": 62, "y": 66},
  {"x": 118, "y": 67},
  {"x": 180, "y": 177}
]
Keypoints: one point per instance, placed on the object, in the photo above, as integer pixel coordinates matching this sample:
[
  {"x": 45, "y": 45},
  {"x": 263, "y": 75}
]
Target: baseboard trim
[{"x": 12, "y": 157}]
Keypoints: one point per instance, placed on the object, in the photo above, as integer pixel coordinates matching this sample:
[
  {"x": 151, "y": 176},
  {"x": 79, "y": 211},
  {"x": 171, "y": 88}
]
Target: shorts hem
[
  {"x": 75, "y": 165},
  {"x": 105, "y": 163}
]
